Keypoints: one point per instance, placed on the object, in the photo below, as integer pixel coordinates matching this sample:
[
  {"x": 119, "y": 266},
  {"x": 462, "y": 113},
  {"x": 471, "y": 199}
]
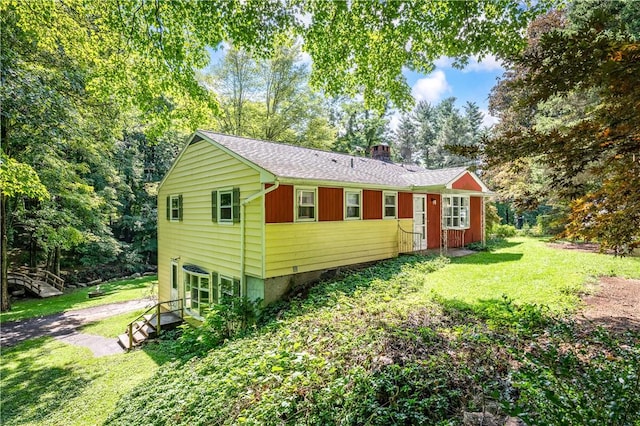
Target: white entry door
[
  {"x": 174, "y": 286},
  {"x": 420, "y": 222}
]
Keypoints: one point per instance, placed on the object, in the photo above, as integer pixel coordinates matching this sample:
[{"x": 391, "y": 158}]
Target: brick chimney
[{"x": 380, "y": 152}]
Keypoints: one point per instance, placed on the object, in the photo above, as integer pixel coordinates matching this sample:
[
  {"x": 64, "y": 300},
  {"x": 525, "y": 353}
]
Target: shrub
[
  {"x": 230, "y": 318},
  {"x": 503, "y": 231}
]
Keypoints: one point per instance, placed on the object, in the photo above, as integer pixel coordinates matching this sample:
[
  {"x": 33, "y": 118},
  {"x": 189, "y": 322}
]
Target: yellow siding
[
  {"x": 322, "y": 245},
  {"x": 197, "y": 240}
]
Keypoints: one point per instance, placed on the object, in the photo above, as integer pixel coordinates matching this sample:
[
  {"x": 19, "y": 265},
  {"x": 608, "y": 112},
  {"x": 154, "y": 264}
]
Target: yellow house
[{"x": 253, "y": 218}]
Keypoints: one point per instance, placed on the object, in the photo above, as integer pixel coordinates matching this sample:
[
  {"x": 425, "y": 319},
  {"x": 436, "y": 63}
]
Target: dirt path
[
  {"x": 614, "y": 305},
  {"x": 63, "y": 326}
]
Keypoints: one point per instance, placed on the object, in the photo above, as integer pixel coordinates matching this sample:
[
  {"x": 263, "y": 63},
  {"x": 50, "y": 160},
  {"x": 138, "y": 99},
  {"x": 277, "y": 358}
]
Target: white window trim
[
  {"x": 467, "y": 207},
  {"x": 220, "y": 278},
  {"x": 174, "y": 285},
  {"x": 384, "y": 205},
  {"x": 232, "y": 280},
  {"x": 171, "y": 209},
  {"x": 219, "y": 212},
  {"x": 354, "y": 191},
  {"x": 200, "y": 275},
  {"x": 315, "y": 206}
]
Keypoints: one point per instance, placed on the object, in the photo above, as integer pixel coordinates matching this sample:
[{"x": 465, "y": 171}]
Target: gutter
[{"x": 243, "y": 211}]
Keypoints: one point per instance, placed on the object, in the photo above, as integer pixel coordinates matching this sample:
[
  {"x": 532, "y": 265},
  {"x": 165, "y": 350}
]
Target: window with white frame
[
  {"x": 229, "y": 287},
  {"x": 455, "y": 211},
  {"x": 174, "y": 208},
  {"x": 390, "y": 205},
  {"x": 306, "y": 204},
  {"x": 352, "y": 202},
  {"x": 197, "y": 292},
  {"x": 225, "y": 206}
]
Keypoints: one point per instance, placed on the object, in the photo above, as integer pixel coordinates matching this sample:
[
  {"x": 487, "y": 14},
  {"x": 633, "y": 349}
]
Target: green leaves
[{"x": 20, "y": 180}]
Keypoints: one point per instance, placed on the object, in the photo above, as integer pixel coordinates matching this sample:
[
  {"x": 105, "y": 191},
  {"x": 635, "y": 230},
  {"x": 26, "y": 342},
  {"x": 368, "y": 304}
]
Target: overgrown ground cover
[
  {"x": 414, "y": 341},
  {"x": 117, "y": 291}
]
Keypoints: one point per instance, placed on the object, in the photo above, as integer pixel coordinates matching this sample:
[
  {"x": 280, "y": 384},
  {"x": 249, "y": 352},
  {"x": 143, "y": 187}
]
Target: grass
[
  {"x": 117, "y": 291},
  {"x": 47, "y": 382},
  {"x": 112, "y": 326},
  {"x": 527, "y": 271}
]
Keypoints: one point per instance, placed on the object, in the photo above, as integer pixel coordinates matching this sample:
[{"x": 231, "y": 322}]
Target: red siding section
[
  {"x": 405, "y": 205},
  {"x": 330, "y": 204},
  {"x": 474, "y": 233},
  {"x": 371, "y": 204},
  {"x": 466, "y": 181},
  {"x": 278, "y": 205},
  {"x": 433, "y": 220}
]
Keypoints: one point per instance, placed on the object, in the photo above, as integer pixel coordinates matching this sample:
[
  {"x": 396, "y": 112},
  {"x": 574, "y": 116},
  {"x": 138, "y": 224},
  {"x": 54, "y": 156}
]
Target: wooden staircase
[
  {"x": 37, "y": 281},
  {"x": 161, "y": 317}
]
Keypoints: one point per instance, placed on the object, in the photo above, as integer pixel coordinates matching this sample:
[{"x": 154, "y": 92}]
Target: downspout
[{"x": 243, "y": 211}]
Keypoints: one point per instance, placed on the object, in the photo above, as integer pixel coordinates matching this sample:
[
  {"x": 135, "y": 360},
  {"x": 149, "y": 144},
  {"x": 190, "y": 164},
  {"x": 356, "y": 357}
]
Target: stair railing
[
  {"x": 409, "y": 242},
  {"x": 158, "y": 313}
]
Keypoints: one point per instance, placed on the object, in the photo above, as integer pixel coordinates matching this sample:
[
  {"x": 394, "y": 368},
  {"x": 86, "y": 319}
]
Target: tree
[
  {"x": 359, "y": 128},
  {"x": 441, "y": 133},
  {"x": 75, "y": 74},
  {"x": 270, "y": 98},
  {"x": 17, "y": 180},
  {"x": 573, "y": 96},
  {"x": 406, "y": 137}
]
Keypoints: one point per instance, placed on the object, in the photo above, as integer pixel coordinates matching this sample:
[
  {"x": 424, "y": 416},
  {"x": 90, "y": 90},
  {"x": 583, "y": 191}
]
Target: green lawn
[
  {"x": 112, "y": 326},
  {"x": 117, "y": 291},
  {"x": 47, "y": 382},
  {"x": 528, "y": 271}
]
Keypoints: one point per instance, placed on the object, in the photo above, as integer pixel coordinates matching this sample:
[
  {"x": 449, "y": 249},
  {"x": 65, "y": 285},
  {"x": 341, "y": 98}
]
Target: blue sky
[{"x": 473, "y": 83}]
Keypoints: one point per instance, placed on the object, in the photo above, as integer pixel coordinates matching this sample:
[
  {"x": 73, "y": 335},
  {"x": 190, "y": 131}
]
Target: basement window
[
  {"x": 455, "y": 211},
  {"x": 197, "y": 291},
  {"x": 229, "y": 287}
]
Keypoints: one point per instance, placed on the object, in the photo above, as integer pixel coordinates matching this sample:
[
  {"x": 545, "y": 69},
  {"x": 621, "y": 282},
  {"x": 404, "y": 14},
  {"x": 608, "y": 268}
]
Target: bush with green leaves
[
  {"x": 232, "y": 317},
  {"x": 503, "y": 231}
]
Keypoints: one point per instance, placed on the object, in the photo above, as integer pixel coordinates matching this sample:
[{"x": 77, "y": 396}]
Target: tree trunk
[
  {"x": 5, "y": 303},
  {"x": 33, "y": 253},
  {"x": 56, "y": 262}
]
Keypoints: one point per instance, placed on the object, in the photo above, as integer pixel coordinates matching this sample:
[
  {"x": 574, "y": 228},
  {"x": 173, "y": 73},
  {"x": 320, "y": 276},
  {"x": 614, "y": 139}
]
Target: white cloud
[
  {"x": 431, "y": 88},
  {"x": 488, "y": 120},
  {"x": 488, "y": 64},
  {"x": 443, "y": 62}
]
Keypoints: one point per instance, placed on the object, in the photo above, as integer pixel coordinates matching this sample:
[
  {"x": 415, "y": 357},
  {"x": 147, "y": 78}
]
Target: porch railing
[{"x": 409, "y": 242}]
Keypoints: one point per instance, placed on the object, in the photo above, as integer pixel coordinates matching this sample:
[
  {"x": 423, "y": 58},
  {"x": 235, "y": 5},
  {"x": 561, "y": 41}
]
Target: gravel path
[{"x": 63, "y": 326}]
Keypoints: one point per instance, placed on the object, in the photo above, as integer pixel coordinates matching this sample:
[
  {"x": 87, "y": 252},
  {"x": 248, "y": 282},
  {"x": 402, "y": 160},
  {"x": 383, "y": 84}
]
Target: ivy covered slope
[{"x": 415, "y": 341}]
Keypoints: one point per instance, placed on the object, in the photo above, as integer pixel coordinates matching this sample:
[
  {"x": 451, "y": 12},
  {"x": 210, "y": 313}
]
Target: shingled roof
[{"x": 294, "y": 162}]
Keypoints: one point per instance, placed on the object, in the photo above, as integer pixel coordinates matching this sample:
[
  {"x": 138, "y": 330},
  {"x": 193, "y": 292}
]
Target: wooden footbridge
[{"x": 37, "y": 281}]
